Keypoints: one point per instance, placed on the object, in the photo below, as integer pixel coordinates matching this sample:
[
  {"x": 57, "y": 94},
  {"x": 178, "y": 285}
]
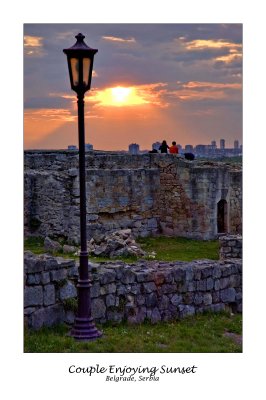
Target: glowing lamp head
[{"x": 80, "y": 64}]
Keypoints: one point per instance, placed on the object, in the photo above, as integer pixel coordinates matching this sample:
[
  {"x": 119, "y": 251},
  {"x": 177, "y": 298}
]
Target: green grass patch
[
  {"x": 165, "y": 248},
  {"x": 181, "y": 249},
  {"x": 199, "y": 334},
  {"x": 34, "y": 244}
]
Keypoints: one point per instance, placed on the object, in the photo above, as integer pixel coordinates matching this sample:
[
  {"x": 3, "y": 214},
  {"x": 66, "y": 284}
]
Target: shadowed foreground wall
[
  {"x": 156, "y": 291},
  {"x": 151, "y": 194}
]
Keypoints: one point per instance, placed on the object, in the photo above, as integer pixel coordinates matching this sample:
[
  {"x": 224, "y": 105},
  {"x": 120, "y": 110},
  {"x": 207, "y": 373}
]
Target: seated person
[{"x": 173, "y": 149}]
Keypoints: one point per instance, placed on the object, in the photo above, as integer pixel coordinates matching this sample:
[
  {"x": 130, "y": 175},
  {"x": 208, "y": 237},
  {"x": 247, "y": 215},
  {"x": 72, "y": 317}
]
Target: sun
[{"x": 120, "y": 94}]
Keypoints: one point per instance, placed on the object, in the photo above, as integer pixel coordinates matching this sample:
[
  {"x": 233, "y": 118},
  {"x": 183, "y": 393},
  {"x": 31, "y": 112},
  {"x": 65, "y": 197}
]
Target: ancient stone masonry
[
  {"x": 150, "y": 194},
  {"x": 230, "y": 246},
  {"x": 147, "y": 290}
]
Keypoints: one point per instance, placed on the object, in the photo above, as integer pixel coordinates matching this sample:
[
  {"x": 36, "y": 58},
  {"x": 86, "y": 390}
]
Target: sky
[{"x": 151, "y": 82}]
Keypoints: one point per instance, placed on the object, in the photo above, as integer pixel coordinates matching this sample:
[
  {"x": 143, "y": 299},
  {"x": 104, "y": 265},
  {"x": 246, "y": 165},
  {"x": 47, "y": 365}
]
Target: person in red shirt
[{"x": 173, "y": 149}]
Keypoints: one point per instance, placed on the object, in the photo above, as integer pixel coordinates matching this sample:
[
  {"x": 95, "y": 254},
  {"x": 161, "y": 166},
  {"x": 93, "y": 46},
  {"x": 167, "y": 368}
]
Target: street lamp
[{"x": 80, "y": 64}]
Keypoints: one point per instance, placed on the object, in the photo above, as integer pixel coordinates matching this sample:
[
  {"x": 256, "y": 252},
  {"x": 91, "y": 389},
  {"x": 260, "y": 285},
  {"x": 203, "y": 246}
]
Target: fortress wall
[
  {"x": 151, "y": 194},
  {"x": 148, "y": 290}
]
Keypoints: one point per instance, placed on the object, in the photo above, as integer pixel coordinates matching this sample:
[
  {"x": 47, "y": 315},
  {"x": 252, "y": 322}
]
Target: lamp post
[{"x": 80, "y": 65}]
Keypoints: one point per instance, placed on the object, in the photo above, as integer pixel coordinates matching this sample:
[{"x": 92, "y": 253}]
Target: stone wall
[
  {"x": 150, "y": 194},
  {"x": 148, "y": 290},
  {"x": 230, "y": 246}
]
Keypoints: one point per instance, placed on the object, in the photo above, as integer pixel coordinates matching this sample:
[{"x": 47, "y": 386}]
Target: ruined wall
[
  {"x": 230, "y": 246},
  {"x": 151, "y": 194},
  {"x": 156, "y": 291}
]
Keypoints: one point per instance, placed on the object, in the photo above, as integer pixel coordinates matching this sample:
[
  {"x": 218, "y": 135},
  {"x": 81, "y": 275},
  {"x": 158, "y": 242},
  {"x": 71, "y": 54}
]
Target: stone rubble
[{"x": 115, "y": 244}]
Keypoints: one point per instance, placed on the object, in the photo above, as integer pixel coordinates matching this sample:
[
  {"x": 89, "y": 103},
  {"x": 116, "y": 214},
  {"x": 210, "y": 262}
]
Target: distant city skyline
[{"x": 151, "y": 82}]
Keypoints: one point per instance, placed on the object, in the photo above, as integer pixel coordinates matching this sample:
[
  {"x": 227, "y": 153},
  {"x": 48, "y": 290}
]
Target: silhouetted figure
[
  {"x": 173, "y": 149},
  {"x": 164, "y": 147},
  {"x": 153, "y": 151},
  {"x": 189, "y": 156}
]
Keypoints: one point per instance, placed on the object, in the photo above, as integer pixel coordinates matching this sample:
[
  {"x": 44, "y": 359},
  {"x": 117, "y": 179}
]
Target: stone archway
[{"x": 222, "y": 226}]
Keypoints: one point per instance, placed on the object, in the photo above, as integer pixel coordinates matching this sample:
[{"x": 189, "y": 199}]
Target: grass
[
  {"x": 181, "y": 249},
  {"x": 199, "y": 334},
  {"x": 165, "y": 248}
]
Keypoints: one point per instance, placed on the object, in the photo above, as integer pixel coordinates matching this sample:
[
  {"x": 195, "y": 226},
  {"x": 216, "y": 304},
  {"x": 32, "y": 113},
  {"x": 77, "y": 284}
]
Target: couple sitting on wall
[{"x": 174, "y": 150}]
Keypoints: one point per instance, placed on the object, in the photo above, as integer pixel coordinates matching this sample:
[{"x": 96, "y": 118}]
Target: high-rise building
[
  {"x": 72, "y": 147},
  {"x": 133, "y": 148},
  {"x": 236, "y": 144},
  {"x": 213, "y": 144},
  {"x": 156, "y": 145},
  {"x": 88, "y": 147},
  {"x": 222, "y": 144},
  {"x": 188, "y": 148}
]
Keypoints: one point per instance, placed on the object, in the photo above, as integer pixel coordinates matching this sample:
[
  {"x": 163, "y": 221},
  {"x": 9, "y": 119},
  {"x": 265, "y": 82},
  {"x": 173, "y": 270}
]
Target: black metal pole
[{"x": 84, "y": 327}]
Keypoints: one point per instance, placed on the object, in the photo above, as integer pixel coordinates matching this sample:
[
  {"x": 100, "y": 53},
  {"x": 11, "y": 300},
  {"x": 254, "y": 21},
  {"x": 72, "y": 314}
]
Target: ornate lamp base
[{"x": 84, "y": 329}]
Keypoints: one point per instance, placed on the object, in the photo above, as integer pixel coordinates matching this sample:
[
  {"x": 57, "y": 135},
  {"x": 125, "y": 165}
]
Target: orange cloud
[
  {"x": 211, "y": 85},
  {"x": 33, "y": 45},
  {"x": 119, "y": 39},
  {"x": 51, "y": 114},
  {"x": 211, "y": 44},
  {"x": 194, "y": 90},
  {"x": 234, "y": 49}
]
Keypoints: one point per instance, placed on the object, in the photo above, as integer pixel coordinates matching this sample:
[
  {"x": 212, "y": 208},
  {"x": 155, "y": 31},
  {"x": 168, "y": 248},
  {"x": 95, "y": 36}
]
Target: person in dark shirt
[
  {"x": 164, "y": 147},
  {"x": 173, "y": 149}
]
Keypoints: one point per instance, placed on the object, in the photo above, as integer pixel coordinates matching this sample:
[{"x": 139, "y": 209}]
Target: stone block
[
  {"x": 33, "y": 279},
  {"x": 98, "y": 308},
  {"x": 186, "y": 310},
  {"x": 152, "y": 300},
  {"x": 143, "y": 276},
  {"x": 224, "y": 283},
  {"x": 95, "y": 289},
  {"x": 33, "y": 296},
  {"x": 216, "y": 296},
  {"x": 179, "y": 275},
  {"x": 110, "y": 300},
  {"x": 217, "y": 273},
  {"x": 114, "y": 315},
  {"x": 128, "y": 277},
  {"x": 58, "y": 275},
  {"x": 198, "y": 299},
  {"x": 188, "y": 298},
  {"x": 108, "y": 289},
  {"x": 51, "y": 245},
  {"x": 176, "y": 299},
  {"x": 168, "y": 288},
  {"x": 67, "y": 291},
  {"x": 47, "y": 316},
  {"x": 163, "y": 302},
  {"x": 155, "y": 316},
  {"x": 228, "y": 295},
  {"x": 32, "y": 264},
  {"x": 107, "y": 277},
  {"x": 140, "y": 300},
  {"x": 49, "y": 295},
  {"x": 209, "y": 283},
  {"x": 207, "y": 299},
  {"x": 45, "y": 278},
  {"x": 149, "y": 287}
]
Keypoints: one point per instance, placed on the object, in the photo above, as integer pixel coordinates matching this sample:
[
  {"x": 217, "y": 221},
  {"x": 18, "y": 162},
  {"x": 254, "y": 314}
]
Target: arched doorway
[{"x": 222, "y": 216}]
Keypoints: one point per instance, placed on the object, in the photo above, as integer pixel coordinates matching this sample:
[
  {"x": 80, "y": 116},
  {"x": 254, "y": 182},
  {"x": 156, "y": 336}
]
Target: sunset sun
[{"x": 118, "y": 96}]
